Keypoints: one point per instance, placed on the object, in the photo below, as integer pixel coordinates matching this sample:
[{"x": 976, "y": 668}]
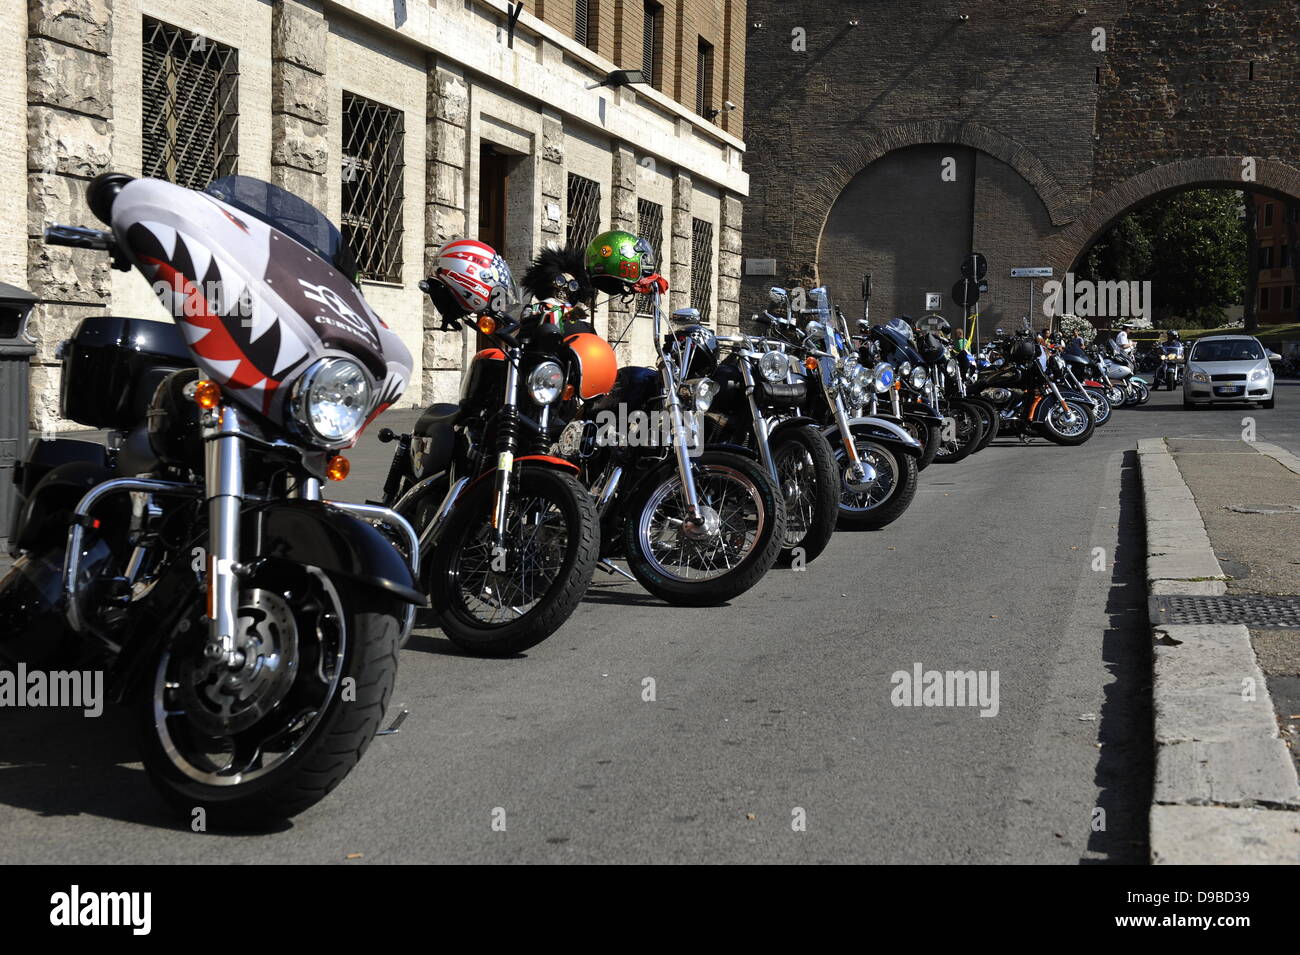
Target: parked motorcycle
[
  {"x": 877, "y": 457},
  {"x": 509, "y": 535},
  {"x": 1079, "y": 369},
  {"x": 1029, "y": 401},
  {"x": 760, "y": 391},
  {"x": 252, "y": 625},
  {"x": 698, "y": 524}
]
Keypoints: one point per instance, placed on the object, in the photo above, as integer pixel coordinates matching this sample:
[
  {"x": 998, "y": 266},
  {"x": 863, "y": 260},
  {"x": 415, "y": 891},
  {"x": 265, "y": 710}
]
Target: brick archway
[
  {"x": 1065, "y": 248},
  {"x": 819, "y": 195}
]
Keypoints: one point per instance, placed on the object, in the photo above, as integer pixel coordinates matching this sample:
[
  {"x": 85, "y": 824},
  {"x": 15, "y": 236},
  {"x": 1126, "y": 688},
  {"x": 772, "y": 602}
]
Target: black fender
[
  {"x": 921, "y": 410},
  {"x": 314, "y": 534},
  {"x": 787, "y": 424},
  {"x": 881, "y": 431},
  {"x": 742, "y": 450},
  {"x": 41, "y": 519}
]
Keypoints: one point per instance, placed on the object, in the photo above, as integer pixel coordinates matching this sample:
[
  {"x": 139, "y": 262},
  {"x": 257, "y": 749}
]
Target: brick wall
[{"x": 1066, "y": 136}]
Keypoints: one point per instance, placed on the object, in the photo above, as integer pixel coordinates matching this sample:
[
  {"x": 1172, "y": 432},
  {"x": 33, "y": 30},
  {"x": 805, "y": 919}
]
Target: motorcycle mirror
[
  {"x": 686, "y": 316},
  {"x": 777, "y": 296}
]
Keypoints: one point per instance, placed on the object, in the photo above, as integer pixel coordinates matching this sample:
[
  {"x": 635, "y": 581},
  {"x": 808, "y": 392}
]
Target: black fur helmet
[{"x": 559, "y": 274}]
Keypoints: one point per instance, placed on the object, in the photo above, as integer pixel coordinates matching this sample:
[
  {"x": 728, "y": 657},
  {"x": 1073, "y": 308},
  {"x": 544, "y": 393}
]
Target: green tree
[{"x": 1189, "y": 245}]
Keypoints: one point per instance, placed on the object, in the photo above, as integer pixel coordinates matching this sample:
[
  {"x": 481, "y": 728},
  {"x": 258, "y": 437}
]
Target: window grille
[
  {"x": 373, "y": 170},
  {"x": 701, "y": 267},
  {"x": 190, "y": 112},
  {"x": 650, "y": 226},
  {"x": 584, "y": 211}
]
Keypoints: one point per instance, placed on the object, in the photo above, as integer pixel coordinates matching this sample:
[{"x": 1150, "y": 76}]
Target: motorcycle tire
[
  {"x": 1143, "y": 393},
  {"x": 1101, "y": 410},
  {"x": 1052, "y": 432},
  {"x": 662, "y": 487},
  {"x": 340, "y": 685},
  {"x": 468, "y": 523},
  {"x": 1116, "y": 395},
  {"x": 902, "y": 475},
  {"x": 927, "y": 436},
  {"x": 991, "y": 420},
  {"x": 809, "y": 519},
  {"x": 969, "y": 432}
]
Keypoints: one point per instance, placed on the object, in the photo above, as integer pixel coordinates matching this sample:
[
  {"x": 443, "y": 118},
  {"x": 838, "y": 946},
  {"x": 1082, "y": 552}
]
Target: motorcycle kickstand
[{"x": 611, "y": 568}]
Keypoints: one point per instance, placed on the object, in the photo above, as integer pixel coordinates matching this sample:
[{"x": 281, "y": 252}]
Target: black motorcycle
[
  {"x": 761, "y": 389},
  {"x": 252, "y": 625},
  {"x": 508, "y": 535},
  {"x": 1028, "y": 398}
]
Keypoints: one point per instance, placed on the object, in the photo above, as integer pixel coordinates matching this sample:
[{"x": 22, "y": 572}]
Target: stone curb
[{"x": 1224, "y": 779}]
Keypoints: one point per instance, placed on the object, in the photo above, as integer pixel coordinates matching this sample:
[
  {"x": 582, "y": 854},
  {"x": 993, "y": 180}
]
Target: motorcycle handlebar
[{"x": 78, "y": 237}]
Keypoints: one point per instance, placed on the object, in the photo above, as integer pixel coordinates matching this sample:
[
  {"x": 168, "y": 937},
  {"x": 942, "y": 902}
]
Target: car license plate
[{"x": 1227, "y": 389}]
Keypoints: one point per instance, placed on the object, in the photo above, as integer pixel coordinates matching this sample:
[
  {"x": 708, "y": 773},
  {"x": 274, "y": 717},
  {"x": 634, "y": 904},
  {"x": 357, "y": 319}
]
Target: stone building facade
[
  {"x": 894, "y": 137},
  {"x": 387, "y": 114}
]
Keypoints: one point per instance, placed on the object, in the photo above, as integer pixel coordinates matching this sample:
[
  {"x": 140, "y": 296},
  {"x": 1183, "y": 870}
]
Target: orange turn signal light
[
  {"x": 338, "y": 468},
  {"x": 487, "y": 324},
  {"x": 207, "y": 394},
  {"x": 810, "y": 363}
]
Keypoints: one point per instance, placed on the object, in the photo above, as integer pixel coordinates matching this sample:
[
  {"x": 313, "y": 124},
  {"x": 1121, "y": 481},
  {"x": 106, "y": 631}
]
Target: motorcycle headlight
[
  {"x": 951, "y": 368},
  {"x": 774, "y": 366},
  {"x": 701, "y": 393},
  {"x": 545, "y": 382},
  {"x": 905, "y": 370},
  {"x": 863, "y": 379},
  {"x": 883, "y": 377},
  {"x": 918, "y": 378},
  {"x": 332, "y": 400}
]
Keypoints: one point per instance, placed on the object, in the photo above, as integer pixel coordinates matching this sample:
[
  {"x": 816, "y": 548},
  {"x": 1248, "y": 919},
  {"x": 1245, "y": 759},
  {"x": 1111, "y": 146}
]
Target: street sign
[
  {"x": 933, "y": 301},
  {"x": 966, "y": 292},
  {"x": 1034, "y": 273},
  {"x": 974, "y": 266}
]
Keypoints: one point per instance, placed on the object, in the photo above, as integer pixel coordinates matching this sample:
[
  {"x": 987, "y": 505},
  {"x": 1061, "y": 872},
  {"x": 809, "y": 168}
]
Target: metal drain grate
[{"x": 1259, "y": 611}]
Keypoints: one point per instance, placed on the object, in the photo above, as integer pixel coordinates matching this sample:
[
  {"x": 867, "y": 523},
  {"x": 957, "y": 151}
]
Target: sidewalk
[{"x": 1223, "y": 566}]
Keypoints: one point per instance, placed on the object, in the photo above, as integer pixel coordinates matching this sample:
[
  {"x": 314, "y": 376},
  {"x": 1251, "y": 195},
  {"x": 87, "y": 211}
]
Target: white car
[{"x": 1228, "y": 368}]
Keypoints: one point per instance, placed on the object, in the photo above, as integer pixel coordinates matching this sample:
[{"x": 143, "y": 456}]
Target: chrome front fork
[
  {"x": 224, "y": 485},
  {"x": 761, "y": 434},
  {"x": 679, "y": 442}
]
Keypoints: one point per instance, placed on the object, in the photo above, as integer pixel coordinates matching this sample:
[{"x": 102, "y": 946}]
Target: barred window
[
  {"x": 190, "y": 107},
  {"x": 652, "y": 38},
  {"x": 372, "y": 187},
  {"x": 584, "y": 211},
  {"x": 650, "y": 226},
  {"x": 704, "y": 80},
  {"x": 701, "y": 266}
]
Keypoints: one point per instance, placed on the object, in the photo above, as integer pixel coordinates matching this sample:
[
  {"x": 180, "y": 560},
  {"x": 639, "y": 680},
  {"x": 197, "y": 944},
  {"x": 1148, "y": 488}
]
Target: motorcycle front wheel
[
  {"x": 809, "y": 484},
  {"x": 960, "y": 439},
  {"x": 884, "y": 500},
  {"x": 1101, "y": 405},
  {"x": 989, "y": 418},
  {"x": 1067, "y": 423},
  {"x": 743, "y": 532},
  {"x": 1143, "y": 393},
  {"x": 261, "y": 741},
  {"x": 927, "y": 435},
  {"x": 494, "y": 602}
]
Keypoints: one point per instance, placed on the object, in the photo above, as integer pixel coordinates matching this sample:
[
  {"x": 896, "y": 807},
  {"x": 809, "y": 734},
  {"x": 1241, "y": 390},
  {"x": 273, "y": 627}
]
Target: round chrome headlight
[
  {"x": 905, "y": 370},
  {"x": 545, "y": 382},
  {"x": 862, "y": 378},
  {"x": 774, "y": 366},
  {"x": 951, "y": 367},
  {"x": 883, "y": 377},
  {"x": 700, "y": 392},
  {"x": 918, "y": 378},
  {"x": 332, "y": 400}
]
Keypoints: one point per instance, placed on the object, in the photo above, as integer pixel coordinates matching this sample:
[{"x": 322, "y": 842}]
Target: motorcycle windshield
[{"x": 293, "y": 216}]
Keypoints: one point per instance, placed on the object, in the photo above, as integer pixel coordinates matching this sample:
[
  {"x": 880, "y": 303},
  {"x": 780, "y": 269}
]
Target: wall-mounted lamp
[
  {"x": 617, "y": 78},
  {"x": 713, "y": 112},
  {"x": 853, "y": 23},
  {"x": 963, "y": 17},
  {"x": 757, "y": 25}
]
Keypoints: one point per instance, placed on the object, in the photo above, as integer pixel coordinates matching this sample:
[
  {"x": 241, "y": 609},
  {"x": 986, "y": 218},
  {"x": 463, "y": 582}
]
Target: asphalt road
[{"x": 777, "y": 704}]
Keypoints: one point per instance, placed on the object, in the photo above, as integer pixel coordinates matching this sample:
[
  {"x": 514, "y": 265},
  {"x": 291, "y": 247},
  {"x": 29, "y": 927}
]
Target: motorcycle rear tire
[{"x": 826, "y": 497}]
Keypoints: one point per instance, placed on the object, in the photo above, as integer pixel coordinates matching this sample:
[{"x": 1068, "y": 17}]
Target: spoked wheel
[
  {"x": 1068, "y": 422},
  {"x": 961, "y": 433},
  {"x": 1100, "y": 405},
  {"x": 927, "y": 436},
  {"x": 1116, "y": 395},
  {"x": 701, "y": 562},
  {"x": 494, "y": 600},
  {"x": 989, "y": 418},
  {"x": 1143, "y": 393},
  {"x": 269, "y": 735},
  {"x": 809, "y": 484},
  {"x": 875, "y": 504}
]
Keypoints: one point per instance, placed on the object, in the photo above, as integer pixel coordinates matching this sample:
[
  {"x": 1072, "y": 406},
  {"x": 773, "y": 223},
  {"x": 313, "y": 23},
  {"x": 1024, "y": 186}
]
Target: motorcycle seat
[
  {"x": 634, "y": 386},
  {"x": 781, "y": 393}
]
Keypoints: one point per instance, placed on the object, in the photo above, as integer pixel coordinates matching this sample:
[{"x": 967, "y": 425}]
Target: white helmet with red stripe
[{"x": 470, "y": 270}]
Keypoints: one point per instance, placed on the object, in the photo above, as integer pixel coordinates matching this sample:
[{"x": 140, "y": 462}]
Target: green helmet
[{"x": 616, "y": 260}]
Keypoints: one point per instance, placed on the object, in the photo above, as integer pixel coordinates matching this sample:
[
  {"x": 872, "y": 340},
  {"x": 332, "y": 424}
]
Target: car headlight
[
  {"x": 1201, "y": 377},
  {"x": 883, "y": 377},
  {"x": 1259, "y": 374},
  {"x": 332, "y": 399},
  {"x": 701, "y": 393},
  {"x": 918, "y": 378},
  {"x": 774, "y": 366},
  {"x": 545, "y": 382}
]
